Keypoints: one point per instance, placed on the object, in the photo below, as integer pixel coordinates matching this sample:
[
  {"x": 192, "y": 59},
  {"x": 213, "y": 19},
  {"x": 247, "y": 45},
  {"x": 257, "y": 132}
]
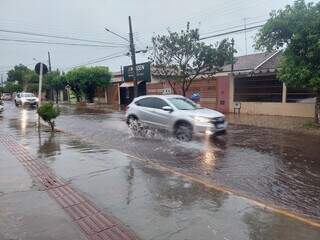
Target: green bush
[{"x": 48, "y": 113}]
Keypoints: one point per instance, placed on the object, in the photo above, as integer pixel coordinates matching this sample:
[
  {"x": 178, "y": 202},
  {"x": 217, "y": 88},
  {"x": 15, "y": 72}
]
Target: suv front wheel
[{"x": 183, "y": 132}]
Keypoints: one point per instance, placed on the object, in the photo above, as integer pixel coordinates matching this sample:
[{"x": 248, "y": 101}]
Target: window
[
  {"x": 145, "y": 102},
  {"x": 152, "y": 102},
  {"x": 265, "y": 88},
  {"x": 300, "y": 95},
  {"x": 158, "y": 103},
  {"x": 27, "y": 95},
  {"x": 183, "y": 103}
]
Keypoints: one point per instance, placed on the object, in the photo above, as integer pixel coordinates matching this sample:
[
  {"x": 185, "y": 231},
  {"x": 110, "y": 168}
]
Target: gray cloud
[{"x": 87, "y": 19}]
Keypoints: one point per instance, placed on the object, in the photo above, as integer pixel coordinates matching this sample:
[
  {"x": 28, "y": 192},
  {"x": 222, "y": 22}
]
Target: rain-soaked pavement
[{"x": 276, "y": 167}]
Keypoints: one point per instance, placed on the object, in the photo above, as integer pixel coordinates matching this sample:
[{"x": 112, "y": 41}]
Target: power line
[
  {"x": 233, "y": 27},
  {"x": 55, "y": 36},
  {"x": 97, "y": 60},
  {"x": 57, "y": 43},
  {"x": 235, "y": 31},
  {"x": 219, "y": 11}
]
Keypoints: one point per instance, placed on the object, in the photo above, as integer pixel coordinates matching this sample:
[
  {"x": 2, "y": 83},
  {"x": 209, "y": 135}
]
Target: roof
[
  {"x": 161, "y": 96},
  {"x": 251, "y": 62},
  {"x": 256, "y": 61}
]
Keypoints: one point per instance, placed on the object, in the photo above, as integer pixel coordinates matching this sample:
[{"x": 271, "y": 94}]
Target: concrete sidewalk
[{"x": 26, "y": 210}]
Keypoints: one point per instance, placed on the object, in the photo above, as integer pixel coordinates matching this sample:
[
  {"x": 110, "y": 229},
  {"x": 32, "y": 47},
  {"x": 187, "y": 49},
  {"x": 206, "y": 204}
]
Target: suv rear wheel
[
  {"x": 135, "y": 126},
  {"x": 183, "y": 132}
]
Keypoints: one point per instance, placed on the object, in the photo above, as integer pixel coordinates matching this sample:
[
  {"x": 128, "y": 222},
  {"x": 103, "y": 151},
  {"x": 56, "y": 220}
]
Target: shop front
[{"x": 126, "y": 88}]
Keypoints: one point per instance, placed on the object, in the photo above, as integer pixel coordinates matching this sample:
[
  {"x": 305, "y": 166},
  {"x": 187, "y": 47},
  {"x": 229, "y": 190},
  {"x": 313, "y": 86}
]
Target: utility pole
[
  {"x": 40, "y": 82},
  {"x": 133, "y": 59},
  {"x": 245, "y": 34},
  {"x": 40, "y": 90},
  {"x": 2, "y": 80},
  {"x": 232, "y": 57},
  {"x": 49, "y": 65},
  {"x": 49, "y": 62}
]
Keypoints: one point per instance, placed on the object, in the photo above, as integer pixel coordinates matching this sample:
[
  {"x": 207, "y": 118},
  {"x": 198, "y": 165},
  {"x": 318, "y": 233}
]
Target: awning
[{"x": 128, "y": 84}]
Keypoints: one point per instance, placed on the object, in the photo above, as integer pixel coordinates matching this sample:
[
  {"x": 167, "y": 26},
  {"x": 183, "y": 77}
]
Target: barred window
[{"x": 257, "y": 89}]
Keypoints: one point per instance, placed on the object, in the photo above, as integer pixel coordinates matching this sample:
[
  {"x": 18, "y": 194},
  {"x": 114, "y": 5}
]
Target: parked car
[
  {"x": 6, "y": 97},
  {"x": 26, "y": 99},
  {"x": 175, "y": 114}
]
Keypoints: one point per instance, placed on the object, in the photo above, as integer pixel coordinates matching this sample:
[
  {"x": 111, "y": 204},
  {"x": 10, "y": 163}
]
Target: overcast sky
[{"x": 87, "y": 19}]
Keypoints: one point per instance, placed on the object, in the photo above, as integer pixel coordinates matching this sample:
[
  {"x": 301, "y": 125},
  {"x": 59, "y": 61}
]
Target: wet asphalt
[
  {"x": 280, "y": 167},
  {"x": 277, "y": 167}
]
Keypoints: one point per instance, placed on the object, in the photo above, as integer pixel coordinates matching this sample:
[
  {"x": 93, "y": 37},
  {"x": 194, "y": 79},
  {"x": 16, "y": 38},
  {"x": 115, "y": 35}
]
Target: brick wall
[
  {"x": 113, "y": 94},
  {"x": 206, "y": 87}
]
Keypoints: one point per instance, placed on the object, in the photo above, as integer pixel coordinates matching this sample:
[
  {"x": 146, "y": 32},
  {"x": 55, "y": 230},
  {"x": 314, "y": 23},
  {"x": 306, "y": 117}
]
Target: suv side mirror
[{"x": 167, "y": 109}]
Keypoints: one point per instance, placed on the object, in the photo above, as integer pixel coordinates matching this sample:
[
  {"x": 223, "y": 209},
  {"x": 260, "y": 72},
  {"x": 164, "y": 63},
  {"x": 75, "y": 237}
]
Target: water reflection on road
[{"x": 279, "y": 167}]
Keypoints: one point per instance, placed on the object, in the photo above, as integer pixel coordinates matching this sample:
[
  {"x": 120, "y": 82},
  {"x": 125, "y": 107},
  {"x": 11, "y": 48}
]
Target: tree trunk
[
  {"x": 183, "y": 88},
  {"x": 173, "y": 87},
  {"x": 51, "y": 123},
  {"x": 317, "y": 107},
  {"x": 57, "y": 96},
  {"x": 183, "y": 92}
]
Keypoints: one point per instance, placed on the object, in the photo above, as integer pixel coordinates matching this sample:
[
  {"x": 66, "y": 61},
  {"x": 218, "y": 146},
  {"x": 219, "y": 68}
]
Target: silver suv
[{"x": 176, "y": 114}]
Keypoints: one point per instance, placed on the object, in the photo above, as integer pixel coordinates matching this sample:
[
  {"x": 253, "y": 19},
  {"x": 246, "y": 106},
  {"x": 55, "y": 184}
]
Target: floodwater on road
[
  {"x": 156, "y": 204},
  {"x": 278, "y": 167}
]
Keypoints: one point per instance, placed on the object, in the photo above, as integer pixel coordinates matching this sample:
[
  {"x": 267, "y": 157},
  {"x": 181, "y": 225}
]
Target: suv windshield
[
  {"x": 183, "y": 104},
  {"x": 27, "y": 95}
]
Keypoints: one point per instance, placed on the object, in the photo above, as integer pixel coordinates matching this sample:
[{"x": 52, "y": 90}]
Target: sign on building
[
  {"x": 166, "y": 91},
  {"x": 143, "y": 72}
]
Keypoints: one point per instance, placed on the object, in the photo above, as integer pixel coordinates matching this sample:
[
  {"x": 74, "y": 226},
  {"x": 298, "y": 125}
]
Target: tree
[
  {"x": 19, "y": 73},
  {"x": 32, "y": 82},
  {"x": 296, "y": 29},
  {"x": 56, "y": 82},
  {"x": 74, "y": 82},
  {"x": 86, "y": 80},
  {"x": 179, "y": 58},
  {"x": 48, "y": 113},
  {"x": 12, "y": 87}
]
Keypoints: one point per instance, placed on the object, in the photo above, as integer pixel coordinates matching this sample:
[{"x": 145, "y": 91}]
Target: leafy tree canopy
[
  {"x": 86, "y": 80},
  {"x": 20, "y": 74},
  {"x": 48, "y": 113},
  {"x": 296, "y": 29},
  {"x": 179, "y": 57},
  {"x": 11, "y": 87}
]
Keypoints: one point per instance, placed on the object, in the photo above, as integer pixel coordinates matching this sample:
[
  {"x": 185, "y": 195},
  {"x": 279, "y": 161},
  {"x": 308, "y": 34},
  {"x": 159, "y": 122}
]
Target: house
[
  {"x": 254, "y": 84},
  {"x": 250, "y": 82}
]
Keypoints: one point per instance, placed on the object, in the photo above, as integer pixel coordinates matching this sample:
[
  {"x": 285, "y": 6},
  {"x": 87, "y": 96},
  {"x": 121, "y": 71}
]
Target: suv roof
[{"x": 159, "y": 96}]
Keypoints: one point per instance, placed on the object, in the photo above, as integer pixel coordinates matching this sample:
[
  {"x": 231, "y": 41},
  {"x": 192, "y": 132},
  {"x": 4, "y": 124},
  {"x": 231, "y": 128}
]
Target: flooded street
[{"x": 276, "y": 167}]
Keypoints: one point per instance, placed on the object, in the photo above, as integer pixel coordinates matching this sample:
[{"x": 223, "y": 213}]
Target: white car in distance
[{"x": 26, "y": 99}]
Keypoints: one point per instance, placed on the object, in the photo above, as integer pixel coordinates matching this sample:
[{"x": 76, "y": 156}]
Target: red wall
[
  {"x": 206, "y": 87},
  {"x": 223, "y": 95}
]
